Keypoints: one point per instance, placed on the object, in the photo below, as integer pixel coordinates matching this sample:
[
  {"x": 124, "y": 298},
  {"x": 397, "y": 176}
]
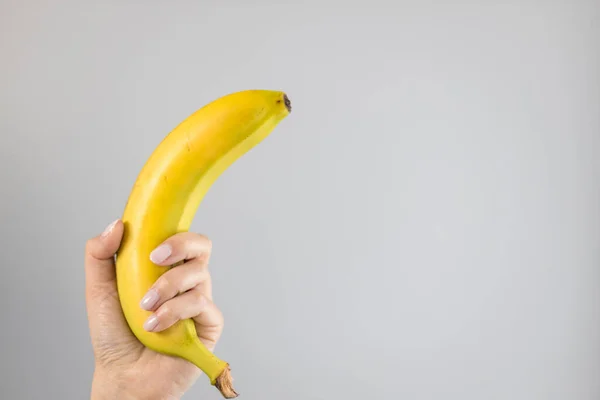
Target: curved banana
[{"x": 165, "y": 198}]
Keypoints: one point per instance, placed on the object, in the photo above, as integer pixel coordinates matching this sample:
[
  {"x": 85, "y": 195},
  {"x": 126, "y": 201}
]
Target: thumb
[
  {"x": 99, "y": 256},
  {"x": 106, "y": 321}
]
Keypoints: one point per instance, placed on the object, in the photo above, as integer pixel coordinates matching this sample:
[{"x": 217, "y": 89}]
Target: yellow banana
[{"x": 164, "y": 200}]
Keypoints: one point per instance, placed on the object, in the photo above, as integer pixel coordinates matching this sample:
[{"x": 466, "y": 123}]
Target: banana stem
[{"x": 224, "y": 383}]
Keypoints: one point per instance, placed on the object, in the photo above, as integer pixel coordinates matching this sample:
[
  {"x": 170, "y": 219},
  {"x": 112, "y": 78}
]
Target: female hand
[{"x": 124, "y": 368}]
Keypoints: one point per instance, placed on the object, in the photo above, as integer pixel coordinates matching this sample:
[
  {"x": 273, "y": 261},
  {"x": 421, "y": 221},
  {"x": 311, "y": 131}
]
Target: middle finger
[{"x": 175, "y": 281}]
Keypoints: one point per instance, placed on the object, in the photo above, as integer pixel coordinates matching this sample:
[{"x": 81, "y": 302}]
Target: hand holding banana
[
  {"x": 125, "y": 369},
  {"x": 162, "y": 204}
]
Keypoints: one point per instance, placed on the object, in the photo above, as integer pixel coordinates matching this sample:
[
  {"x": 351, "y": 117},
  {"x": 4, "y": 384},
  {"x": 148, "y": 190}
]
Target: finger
[
  {"x": 210, "y": 317},
  {"x": 191, "y": 304},
  {"x": 205, "y": 287},
  {"x": 99, "y": 255},
  {"x": 174, "y": 282},
  {"x": 182, "y": 247}
]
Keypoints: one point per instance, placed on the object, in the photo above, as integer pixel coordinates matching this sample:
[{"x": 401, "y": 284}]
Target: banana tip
[
  {"x": 224, "y": 383},
  {"x": 287, "y": 102}
]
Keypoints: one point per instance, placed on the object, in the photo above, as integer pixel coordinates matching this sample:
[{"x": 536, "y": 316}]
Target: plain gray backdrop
[{"x": 425, "y": 225}]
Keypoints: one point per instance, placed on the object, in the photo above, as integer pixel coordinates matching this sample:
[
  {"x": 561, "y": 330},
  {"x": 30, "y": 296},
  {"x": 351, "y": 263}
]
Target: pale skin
[{"x": 124, "y": 368}]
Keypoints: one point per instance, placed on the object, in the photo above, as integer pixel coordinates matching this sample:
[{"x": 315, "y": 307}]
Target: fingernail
[
  {"x": 151, "y": 323},
  {"x": 160, "y": 254},
  {"x": 109, "y": 228},
  {"x": 149, "y": 300}
]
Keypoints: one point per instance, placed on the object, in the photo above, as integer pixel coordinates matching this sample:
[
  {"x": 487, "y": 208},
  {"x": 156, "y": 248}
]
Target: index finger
[{"x": 182, "y": 246}]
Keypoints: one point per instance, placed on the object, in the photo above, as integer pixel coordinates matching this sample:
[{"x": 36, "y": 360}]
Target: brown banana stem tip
[
  {"x": 224, "y": 383},
  {"x": 287, "y": 102}
]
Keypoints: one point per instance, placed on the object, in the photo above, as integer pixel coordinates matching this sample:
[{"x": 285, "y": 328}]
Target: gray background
[{"x": 426, "y": 224}]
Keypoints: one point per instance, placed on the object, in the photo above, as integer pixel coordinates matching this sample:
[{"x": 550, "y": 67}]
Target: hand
[{"x": 125, "y": 369}]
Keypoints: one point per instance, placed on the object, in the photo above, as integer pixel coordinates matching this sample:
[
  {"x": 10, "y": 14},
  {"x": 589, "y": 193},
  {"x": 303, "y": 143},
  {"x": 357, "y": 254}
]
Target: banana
[{"x": 165, "y": 198}]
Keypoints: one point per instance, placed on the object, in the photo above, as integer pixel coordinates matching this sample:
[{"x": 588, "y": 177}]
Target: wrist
[
  {"x": 111, "y": 385},
  {"x": 105, "y": 387}
]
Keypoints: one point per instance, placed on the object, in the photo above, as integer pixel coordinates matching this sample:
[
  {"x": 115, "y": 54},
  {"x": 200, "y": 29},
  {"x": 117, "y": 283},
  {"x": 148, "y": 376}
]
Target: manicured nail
[
  {"x": 151, "y": 323},
  {"x": 149, "y": 300},
  {"x": 109, "y": 228},
  {"x": 161, "y": 253}
]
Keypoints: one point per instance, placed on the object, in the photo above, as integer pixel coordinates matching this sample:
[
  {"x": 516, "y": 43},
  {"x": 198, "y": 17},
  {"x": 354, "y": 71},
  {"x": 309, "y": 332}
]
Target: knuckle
[
  {"x": 167, "y": 285},
  {"x": 164, "y": 283},
  {"x": 201, "y": 238},
  {"x": 209, "y": 244},
  {"x": 202, "y": 275},
  {"x": 166, "y": 312},
  {"x": 199, "y": 298},
  {"x": 219, "y": 318},
  {"x": 89, "y": 246}
]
